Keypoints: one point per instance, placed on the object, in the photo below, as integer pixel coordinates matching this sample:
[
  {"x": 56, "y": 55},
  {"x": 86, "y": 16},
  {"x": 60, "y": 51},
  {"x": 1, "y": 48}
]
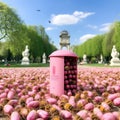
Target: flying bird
[
  {"x": 49, "y": 21},
  {"x": 38, "y": 10}
]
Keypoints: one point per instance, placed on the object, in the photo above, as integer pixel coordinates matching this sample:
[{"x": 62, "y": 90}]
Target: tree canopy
[
  {"x": 101, "y": 44},
  {"x": 9, "y": 21},
  {"x": 16, "y": 35}
]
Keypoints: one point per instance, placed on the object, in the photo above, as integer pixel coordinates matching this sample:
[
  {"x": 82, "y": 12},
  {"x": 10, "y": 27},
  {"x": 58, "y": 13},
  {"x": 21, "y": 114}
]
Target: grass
[
  {"x": 47, "y": 65},
  {"x": 98, "y": 65},
  {"x": 19, "y": 65}
]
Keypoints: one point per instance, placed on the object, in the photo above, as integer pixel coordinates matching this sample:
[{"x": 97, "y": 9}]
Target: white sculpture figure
[
  {"x": 101, "y": 60},
  {"x": 115, "y": 57},
  {"x": 44, "y": 58},
  {"x": 84, "y": 59},
  {"x": 25, "y": 54},
  {"x": 114, "y": 53}
]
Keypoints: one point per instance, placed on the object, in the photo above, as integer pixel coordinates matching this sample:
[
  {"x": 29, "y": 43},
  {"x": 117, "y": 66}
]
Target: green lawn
[
  {"x": 98, "y": 65},
  {"x": 30, "y": 65},
  {"x": 47, "y": 65}
]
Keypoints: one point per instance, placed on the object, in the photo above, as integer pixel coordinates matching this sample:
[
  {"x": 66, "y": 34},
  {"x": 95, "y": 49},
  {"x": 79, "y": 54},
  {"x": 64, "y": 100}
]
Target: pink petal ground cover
[{"x": 24, "y": 95}]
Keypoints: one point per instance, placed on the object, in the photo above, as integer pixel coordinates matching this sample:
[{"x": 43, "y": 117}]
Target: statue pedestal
[
  {"x": 44, "y": 61},
  {"x": 84, "y": 59},
  {"x": 25, "y": 61},
  {"x": 115, "y": 62},
  {"x": 25, "y": 54},
  {"x": 84, "y": 62},
  {"x": 44, "y": 58}
]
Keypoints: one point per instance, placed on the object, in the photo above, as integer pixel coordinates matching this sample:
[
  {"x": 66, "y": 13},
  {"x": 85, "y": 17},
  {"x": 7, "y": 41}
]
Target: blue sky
[{"x": 81, "y": 18}]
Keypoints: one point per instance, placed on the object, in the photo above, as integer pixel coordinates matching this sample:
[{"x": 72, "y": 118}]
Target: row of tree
[
  {"x": 15, "y": 35},
  {"x": 100, "y": 44}
]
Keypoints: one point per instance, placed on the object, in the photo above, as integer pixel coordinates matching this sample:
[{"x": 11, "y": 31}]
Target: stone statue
[
  {"x": 115, "y": 57},
  {"x": 25, "y": 54},
  {"x": 101, "y": 59},
  {"x": 114, "y": 53},
  {"x": 44, "y": 58},
  {"x": 84, "y": 59}
]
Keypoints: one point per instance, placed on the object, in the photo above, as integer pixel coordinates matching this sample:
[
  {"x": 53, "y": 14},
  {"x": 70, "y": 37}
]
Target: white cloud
[
  {"x": 49, "y": 28},
  {"x": 86, "y": 37},
  {"x": 105, "y": 27},
  {"x": 92, "y": 26},
  {"x": 67, "y": 19}
]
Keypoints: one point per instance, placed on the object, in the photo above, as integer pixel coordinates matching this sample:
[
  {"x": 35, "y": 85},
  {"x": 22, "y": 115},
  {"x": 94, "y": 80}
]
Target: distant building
[{"x": 64, "y": 39}]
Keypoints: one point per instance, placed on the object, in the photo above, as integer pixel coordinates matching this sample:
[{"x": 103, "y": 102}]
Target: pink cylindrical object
[
  {"x": 60, "y": 69},
  {"x": 57, "y": 75}
]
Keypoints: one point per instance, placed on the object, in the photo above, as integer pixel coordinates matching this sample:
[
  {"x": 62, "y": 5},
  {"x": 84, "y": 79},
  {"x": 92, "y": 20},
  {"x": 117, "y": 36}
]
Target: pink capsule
[
  {"x": 82, "y": 101},
  {"x": 29, "y": 100},
  {"x": 8, "y": 109},
  {"x": 43, "y": 114},
  {"x": 70, "y": 76},
  {"x": 65, "y": 72},
  {"x": 10, "y": 94},
  {"x": 37, "y": 96},
  {"x": 106, "y": 106},
  {"x": 66, "y": 114},
  {"x": 97, "y": 112},
  {"x": 66, "y": 82},
  {"x": 3, "y": 95},
  {"x": 52, "y": 100},
  {"x": 72, "y": 101},
  {"x": 67, "y": 86},
  {"x": 112, "y": 96},
  {"x": 83, "y": 114},
  {"x": 69, "y": 93},
  {"x": 98, "y": 99},
  {"x": 116, "y": 101},
  {"x": 15, "y": 116},
  {"x": 89, "y": 106},
  {"x": 33, "y": 104},
  {"x": 116, "y": 114},
  {"x": 108, "y": 116},
  {"x": 32, "y": 115},
  {"x": 65, "y": 77},
  {"x": 13, "y": 102},
  {"x": 57, "y": 107}
]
